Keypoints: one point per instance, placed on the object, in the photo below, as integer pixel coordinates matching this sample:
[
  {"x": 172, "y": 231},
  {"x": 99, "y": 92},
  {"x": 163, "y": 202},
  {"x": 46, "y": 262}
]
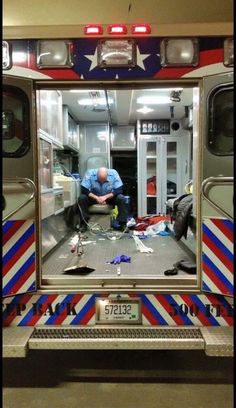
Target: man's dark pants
[{"x": 84, "y": 202}]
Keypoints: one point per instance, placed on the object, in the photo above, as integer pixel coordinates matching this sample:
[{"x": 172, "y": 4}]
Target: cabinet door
[
  {"x": 50, "y": 115},
  {"x": 149, "y": 176},
  {"x": 45, "y": 169},
  {"x": 171, "y": 181},
  {"x": 175, "y": 167},
  {"x": 163, "y": 171},
  {"x": 96, "y": 138},
  {"x": 94, "y": 146}
]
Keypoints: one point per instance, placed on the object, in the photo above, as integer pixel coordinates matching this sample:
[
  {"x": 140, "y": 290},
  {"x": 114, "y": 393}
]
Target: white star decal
[
  {"x": 94, "y": 59},
  {"x": 141, "y": 58}
]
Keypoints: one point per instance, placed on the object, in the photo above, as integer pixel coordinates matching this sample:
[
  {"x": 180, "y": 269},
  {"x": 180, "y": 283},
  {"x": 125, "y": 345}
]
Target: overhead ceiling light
[
  {"x": 82, "y": 90},
  {"x": 164, "y": 89},
  {"x": 145, "y": 110},
  {"x": 153, "y": 100},
  {"x": 90, "y": 102}
]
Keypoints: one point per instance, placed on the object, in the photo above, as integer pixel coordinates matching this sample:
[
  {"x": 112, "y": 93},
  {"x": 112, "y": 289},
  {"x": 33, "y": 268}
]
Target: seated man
[{"x": 102, "y": 186}]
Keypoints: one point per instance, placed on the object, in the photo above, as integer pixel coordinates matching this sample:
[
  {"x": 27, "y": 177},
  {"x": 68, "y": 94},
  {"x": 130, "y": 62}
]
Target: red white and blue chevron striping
[
  {"x": 19, "y": 271},
  {"x": 217, "y": 256},
  {"x": 79, "y": 309}
]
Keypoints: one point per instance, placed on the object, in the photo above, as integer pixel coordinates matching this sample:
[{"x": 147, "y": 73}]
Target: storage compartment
[
  {"x": 123, "y": 138},
  {"x": 71, "y": 188},
  {"x": 50, "y": 115},
  {"x": 47, "y": 204},
  {"x": 70, "y": 130},
  {"x": 58, "y": 200}
]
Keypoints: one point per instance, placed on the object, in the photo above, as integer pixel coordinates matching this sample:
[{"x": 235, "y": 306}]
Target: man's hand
[{"x": 101, "y": 200}]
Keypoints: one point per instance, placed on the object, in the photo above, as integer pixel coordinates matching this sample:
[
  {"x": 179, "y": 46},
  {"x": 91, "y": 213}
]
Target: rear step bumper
[{"x": 216, "y": 341}]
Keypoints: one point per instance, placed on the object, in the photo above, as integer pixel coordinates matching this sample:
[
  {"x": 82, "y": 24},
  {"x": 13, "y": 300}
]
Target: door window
[
  {"x": 220, "y": 136},
  {"x": 15, "y": 122}
]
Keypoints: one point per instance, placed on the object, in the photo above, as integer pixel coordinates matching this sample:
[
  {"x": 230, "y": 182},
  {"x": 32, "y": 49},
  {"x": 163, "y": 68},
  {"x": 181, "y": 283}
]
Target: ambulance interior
[{"x": 149, "y": 135}]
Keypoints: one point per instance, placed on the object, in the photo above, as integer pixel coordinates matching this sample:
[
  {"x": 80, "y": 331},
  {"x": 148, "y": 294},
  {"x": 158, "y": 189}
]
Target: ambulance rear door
[{"x": 217, "y": 185}]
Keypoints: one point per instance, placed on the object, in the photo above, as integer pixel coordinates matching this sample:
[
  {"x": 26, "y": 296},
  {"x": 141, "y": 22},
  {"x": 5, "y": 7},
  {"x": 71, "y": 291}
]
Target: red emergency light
[
  {"x": 117, "y": 29},
  {"x": 92, "y": 29},
  {"x": 141, "y": 29}
]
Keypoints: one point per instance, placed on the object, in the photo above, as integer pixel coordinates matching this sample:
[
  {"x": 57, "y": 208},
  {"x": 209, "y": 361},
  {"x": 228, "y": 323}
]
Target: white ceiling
[{"x": 123, "y": 110}]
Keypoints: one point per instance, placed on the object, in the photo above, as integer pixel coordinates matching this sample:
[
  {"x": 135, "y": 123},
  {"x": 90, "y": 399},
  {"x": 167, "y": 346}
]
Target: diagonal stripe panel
[
  {"x": 13, "y": 285},
  {"x": 10, "y": 228},
  {"x": 84, "y": 314},
  {"x": 217, "y": 256},
  {"x": 79, "y": 309},
  {"x": 19, "y": 269},
  {"x": 226, "y": 226},
  {"x": 218, "y": 247},
  {"x": 216, "y": 276}
]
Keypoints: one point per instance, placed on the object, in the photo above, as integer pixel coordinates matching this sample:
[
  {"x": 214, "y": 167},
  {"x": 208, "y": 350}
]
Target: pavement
[{"x": 118, "y": 379}]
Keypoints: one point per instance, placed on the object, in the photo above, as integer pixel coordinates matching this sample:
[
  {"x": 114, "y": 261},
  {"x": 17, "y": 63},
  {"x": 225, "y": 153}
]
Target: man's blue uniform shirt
[{"x": 90, "y": 182}]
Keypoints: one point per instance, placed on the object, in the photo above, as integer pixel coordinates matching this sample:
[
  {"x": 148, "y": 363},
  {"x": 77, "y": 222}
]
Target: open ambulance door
[
  {"x": 217, "y": 185},
  {"x": 19, "y": 187}
]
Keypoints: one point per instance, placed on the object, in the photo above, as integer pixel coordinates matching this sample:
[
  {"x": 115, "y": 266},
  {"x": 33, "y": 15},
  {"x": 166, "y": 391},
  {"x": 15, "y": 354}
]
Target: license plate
[{"x": 126, "y": 311}]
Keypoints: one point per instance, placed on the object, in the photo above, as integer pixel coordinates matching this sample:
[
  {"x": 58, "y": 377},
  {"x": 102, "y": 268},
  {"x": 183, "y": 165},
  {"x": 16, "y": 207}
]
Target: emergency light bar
[
  {"x": 117, "y": 29},
  {"x": 6, "y": 56},
  {"x": 97, "y": 29},
  {"x": 229, "y": 52},
  {"x": 54, "y": 53},
  {"x": 179, "y": 52},
  {"x": 91, "y": 29},
  {"x": 116, "y": 53},
  {"x": 141, "y": 29}
]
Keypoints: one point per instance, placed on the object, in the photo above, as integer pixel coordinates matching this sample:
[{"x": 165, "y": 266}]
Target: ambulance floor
[
  {"x": 98, "y": 251},
  {"x": 115, "y": 379}
]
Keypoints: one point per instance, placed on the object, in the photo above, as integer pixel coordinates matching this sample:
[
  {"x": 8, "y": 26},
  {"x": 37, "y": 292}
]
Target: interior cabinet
[
  {"x": 70, "y": 130},
  {"x": 163, "y": 169},
  {"x": 49, "y": 116},
  {"x": 123, "y": 138},
  {"x": 45, "y": 168},
  {"x": 94, "y": 146}
]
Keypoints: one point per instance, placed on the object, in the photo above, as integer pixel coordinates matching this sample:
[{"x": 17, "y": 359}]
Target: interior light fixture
[
  {"x": 82, "y": 90},
  {"x": 153, "y": 100},
  {"x": 164, "y": 89},
  {"x": 145, "y": 110},
  {"x": 90, "y": 102}
]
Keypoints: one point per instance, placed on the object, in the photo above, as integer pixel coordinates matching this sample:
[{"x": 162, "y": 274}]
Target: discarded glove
[
  {"x": 120, "y": 258},
  {"x": 164, "y": 233}
]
